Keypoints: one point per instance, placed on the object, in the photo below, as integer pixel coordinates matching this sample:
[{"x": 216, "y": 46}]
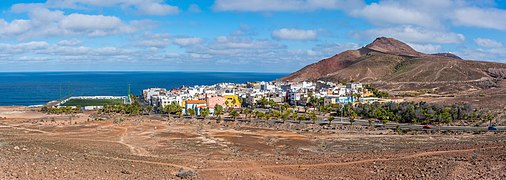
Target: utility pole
[
  {"x": 342, "y": 107},
  {"x": 129, "y": 98}
]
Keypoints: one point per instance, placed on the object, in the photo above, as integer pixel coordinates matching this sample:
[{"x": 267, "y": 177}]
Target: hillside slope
[{"x": 390, "y": 60}]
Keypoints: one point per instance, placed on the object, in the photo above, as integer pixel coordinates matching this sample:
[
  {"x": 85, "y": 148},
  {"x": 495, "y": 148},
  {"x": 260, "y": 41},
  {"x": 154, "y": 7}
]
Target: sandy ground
[{"x": 34, "y": 145}]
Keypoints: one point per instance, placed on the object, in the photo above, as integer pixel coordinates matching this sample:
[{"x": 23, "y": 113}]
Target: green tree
[
  {"x": 285, "y": 116},
  {"x": 384, "y": 121},
  {"x": 192, "y": 112},
  {"x": 330, "y": 119},
  {"x": 276, "y": 114},
  {"x": 204, "y": 113},
  {"x": 247, "y": 113},
  {"x": 227, "y": 104},
  {"x": 148, "y": 109},
  {"x": 260, "y": 115},
  {"x": 234, "y": 102},
  {"x": 352, "y": 117},
  {"x": 294, "y": 116},
  {"x": 301, "y": 118},
  {"x": 285, "y": 106},
  {"x": 234, "y": 114},
  {"x": 313, "y": 117},
  {"x": 218, "y": 111}
]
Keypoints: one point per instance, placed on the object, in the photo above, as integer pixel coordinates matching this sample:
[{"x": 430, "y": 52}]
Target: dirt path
[
  {"x": 24, "y": 129},
  {"x": 430, "y": 153},
  {"x": 138, "y": 151},
  {"x": 143, "y": 161}
]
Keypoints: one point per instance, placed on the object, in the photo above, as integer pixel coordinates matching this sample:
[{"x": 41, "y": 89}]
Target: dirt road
[{"x": 143, "y": 148}]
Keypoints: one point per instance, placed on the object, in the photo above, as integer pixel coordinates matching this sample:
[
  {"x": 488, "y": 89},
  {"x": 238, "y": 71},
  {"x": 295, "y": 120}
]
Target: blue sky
[{"x": 234, "y": 35}]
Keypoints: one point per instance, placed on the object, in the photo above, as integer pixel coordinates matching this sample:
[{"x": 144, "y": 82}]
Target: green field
[{"x": 92, "y": 102}]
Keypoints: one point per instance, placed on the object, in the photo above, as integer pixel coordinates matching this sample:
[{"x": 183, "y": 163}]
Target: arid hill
[{"x": 392, "y": 61}]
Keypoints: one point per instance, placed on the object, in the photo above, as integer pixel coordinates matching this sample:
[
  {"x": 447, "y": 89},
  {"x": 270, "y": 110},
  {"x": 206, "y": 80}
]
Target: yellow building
[
  {"x": 231, "y": 99},
  {"x": 367, "y": 93}
]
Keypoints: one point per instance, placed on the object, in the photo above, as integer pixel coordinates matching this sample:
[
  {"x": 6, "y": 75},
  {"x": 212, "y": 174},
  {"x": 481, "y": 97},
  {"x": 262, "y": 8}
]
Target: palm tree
[
  {"x": 302, "y": 117},
  {"x": 276, "y": 114},
  {"x": 263, "y": 102},
  {"x": 260, "y": 115},
  {"x": 330, "y": 119},
  {"x": 227, "y": 103},
  {"x": 352, "y": 117},
  {"x": 384, "y": 121},
  {"x": 358, "y": 96},
  {"x": 218, "y": 111},
  {"x": 234, "y": 102},
  {"x": 294, "y": 116},
  {"x": 246, "y": 112},
  {"x": 148, "y": 109},
  {"x": 285, "y": 116},
  {"x": 234, "y": 114},
  {"x": 313, "y": 117},
  {"x": 192, "y": 112},
  {"x": 285, "y": 106},
  {"x": 204, "y": 113},
  {"x": 265, "y": 116}
]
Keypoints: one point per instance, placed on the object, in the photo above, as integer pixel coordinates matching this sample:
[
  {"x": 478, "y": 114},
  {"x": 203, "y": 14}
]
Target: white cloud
[
  {"x": 194, "y": 8},
  {"x": 94, "y": 25},
  {"x": 494, "y": 54},
  {"x": 437, "y": 14},
  {"x": 47, "y": 23},
  {"x": 230, "y": 42},
  {"x": 489, "y": 43},
  {"x": 426, "y": 48},
  {"x": 188, "y": 41},
  {"x": 60, "y": 51},
  {"x": 491, "y": 18},
  {"x": 244, "y": 30},
  {"x": 395, "y": 14},
  {"x": 157, "y": 41},
  {"x": 145, "y": 7},
  {"x": 157, "y": 9},
  {"x": 284, "y": 5},
  {"x": 72, "y": 42},
  {"x": 330, "y": 49},
  {"x": 294, "y": 34},
  {"x": 413, "y": 35}
]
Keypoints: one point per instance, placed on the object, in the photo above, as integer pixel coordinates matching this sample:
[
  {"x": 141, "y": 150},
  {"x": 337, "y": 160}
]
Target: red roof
[{"x": 196, "y": 101}]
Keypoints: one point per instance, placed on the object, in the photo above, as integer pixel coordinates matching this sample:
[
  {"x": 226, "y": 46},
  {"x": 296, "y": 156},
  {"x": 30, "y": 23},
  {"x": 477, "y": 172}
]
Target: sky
[{"x": 235, "y": 35}]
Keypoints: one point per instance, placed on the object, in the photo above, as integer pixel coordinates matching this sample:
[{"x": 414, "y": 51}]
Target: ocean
[{"x": 37, "y": 88}]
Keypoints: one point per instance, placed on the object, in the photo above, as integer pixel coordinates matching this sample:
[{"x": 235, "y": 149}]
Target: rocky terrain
[{"x": 151, "y": 147}]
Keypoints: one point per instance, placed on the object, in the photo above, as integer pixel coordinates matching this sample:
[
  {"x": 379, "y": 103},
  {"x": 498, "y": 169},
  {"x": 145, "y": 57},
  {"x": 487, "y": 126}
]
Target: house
[
  {"x": 167, "y": 100},
  {"x": 329, "y": 100},
  {"x": 232, "y": 100},
  {"x": 354, "y": 86},
  {"x": 194, "y": 104}
]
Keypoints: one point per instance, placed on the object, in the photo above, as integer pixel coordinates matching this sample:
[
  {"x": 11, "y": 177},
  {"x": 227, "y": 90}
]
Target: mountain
[
  {"x": 392, "y": 61},
  {"x": 447, "y": 55}
]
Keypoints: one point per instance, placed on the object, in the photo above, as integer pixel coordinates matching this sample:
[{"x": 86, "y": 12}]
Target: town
[{"x": 260, "y": 95}]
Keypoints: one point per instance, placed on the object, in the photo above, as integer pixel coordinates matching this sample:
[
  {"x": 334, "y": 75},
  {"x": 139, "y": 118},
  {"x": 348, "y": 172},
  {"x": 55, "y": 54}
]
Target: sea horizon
[
  {"x": 38, "y": 88},
  {"x": 148, "y": 71}
]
